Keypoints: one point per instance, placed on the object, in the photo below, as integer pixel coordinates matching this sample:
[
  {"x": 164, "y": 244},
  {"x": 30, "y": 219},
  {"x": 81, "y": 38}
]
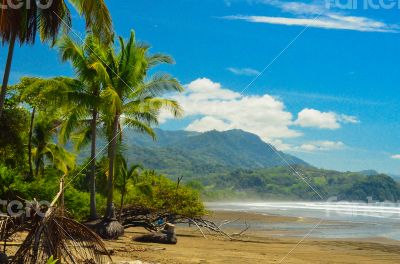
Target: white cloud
[
  {"x": 329, "y": 21},
  {"x": 205, "y": 89},
  {"x": 209, "y": 123},
  {"x": 348, "y": 119},
  {"x": 317, "y": 16},
  {"x": 320, "y": 146},
  {"x": 244, "y": 71},
  {"x": 298, "y": 8},
  {"x": 222, "y": 109},
  {"x": 314, "y": 118},
  {"x": 397, "y": 157},
  {"x": 323, "y": 120},
  {"x": 212, "y": 107}
]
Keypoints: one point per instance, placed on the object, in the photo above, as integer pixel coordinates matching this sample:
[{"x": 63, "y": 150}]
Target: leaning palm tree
[
  {"x": 124, "y": 175},
  {"x": 21, "y": 20},
  {"x": 132, "y": 100}
]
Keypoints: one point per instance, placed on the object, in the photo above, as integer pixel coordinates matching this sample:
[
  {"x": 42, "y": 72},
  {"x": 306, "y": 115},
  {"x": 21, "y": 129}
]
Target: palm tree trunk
[
  {"x": 93, "y": 211},
  {"x": 110, "y": 214},
  {"x": 7, "y": 73},
  {"x": 37, "y": 167},
  {"x": 30, "y": 144},
  {"x": 121, "y": 206}
]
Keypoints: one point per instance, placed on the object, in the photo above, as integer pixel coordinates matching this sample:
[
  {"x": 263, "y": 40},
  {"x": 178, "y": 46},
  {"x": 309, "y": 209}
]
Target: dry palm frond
[
  {"x": 62, "y": 238},
  {"x": 23, "y": 19}
]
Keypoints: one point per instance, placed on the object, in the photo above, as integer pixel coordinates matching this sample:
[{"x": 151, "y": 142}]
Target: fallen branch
[{"x": 155, "y": 220}]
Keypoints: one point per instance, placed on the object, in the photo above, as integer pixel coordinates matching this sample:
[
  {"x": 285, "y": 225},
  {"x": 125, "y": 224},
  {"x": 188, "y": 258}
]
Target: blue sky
[{"x": 330, "y": 97}]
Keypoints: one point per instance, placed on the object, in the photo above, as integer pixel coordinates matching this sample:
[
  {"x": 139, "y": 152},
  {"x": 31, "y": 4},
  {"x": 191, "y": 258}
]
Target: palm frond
[
  {"x": 69, "y": 125},
  {"x": 61, "y": 158},
  {"x": 64, "y": 239},
  {"x": 82, "y": 137},
  {"x": 140, "y": 126},
  {"x": 97, "y": 16},
  {"x": 158, "y": 104},
  {"x": 112, "y": 100},
  {"x": 158, "y": 85},
  {"x": 159, "y": 58}
]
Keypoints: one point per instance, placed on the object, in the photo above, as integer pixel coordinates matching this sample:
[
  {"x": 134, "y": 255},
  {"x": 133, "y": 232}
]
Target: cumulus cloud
[
  {"x": 244, "y": 71},
  {"x": 215, "y": 107},
  {"x": 210, "y": 106},
  {"x": 209, "y": 123},
  {"x": 319, "y": 146},
  {"x": 323, "y": 120},
  {"x": 397, "y": 157},
  {"x": 317, "y": 16}
]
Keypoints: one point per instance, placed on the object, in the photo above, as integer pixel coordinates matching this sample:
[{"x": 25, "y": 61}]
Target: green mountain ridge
[
  {"x": 181, "y": 152},
  {"x": 237, "y": 164}
]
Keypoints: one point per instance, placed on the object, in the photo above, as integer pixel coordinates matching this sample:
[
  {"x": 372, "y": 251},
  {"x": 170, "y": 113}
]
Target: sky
[{"x": 317, "y": 79}]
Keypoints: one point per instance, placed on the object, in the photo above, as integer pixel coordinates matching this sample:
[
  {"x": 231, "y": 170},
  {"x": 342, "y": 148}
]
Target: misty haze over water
[{"x": 340, "y": 219}]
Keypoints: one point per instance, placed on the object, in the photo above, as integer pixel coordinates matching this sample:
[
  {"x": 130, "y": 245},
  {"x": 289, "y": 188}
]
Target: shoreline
[{"x": 254, "y": 246}]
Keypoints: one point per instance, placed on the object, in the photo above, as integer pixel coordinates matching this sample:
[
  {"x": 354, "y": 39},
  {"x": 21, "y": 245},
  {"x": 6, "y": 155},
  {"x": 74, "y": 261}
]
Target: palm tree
[
  {"x": 79, "y": 99},
  {"x": 124, "y": 174},
  {"x": 86, "y": 100},
  {"x": 39, "y": 94},
  {"x": 29, "y": 17},
  {"x": 131, "y": 97},
  {"x": 44, "y": 147}
]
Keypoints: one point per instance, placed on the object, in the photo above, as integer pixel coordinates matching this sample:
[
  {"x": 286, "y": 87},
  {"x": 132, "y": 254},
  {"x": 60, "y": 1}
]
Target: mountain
[
  {"x": 239, "y": 165},
  {"x": 193, "y": 154},
  {"x": 369, "y": 172},
  {"x": 375, "y": 173},
  {"x": 395, "y": 177},
  {"x": 283, "y": 183}
]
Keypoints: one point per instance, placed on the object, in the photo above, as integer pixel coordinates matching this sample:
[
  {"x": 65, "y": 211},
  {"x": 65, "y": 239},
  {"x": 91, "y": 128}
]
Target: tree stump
[
  {"x": 166, "y": 236},
  {"x": 107, "y": 228}
]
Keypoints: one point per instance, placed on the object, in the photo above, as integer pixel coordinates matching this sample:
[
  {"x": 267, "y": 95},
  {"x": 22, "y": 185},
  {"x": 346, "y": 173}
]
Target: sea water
[{"x": 339, "y": 219}]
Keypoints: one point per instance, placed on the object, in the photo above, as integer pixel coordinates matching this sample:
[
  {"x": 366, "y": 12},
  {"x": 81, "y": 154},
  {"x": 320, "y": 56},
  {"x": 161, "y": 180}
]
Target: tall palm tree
[
  {"x": 131, "y": 96},
  {"x": 21, "y": 20},
  {"x": 78, "y": 98},
  {"x": 86, "y": 100}
]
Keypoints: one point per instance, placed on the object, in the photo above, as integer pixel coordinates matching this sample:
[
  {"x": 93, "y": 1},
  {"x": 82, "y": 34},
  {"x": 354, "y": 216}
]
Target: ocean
[{"x": 342, "y": 220}]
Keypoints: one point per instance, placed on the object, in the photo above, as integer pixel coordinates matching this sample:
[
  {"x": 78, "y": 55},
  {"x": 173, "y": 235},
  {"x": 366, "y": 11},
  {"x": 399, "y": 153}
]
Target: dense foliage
[
  {"x": 282, "y": 183},
  {"x": 148, "y": 190},
  {"x": 238, "y": 169},
  {"x": 46, "y": 123}
]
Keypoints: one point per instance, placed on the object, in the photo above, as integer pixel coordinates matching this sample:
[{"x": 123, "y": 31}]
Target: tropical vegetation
[
  {"x": 23, "y": 20},
  {"x": 45, "y": 124}
]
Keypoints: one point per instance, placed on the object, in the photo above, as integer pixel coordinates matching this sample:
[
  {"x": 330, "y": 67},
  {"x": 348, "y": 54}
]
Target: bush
[{"x": 160, "y": 193}]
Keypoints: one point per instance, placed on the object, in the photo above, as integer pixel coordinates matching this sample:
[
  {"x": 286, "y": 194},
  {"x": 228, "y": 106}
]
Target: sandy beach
[{"x": 254, "y": 246}]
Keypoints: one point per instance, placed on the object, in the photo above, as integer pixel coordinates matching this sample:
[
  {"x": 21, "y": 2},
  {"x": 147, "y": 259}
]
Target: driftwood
[
  {"x": 155, "y": 221},
  {"x": 167, "y": 236}
]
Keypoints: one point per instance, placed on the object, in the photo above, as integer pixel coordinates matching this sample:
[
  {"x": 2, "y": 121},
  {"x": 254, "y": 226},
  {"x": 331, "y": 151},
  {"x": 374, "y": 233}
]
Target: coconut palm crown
[
  {"x": 132, "y": 97},
  {"x": 23, "y": 20}
]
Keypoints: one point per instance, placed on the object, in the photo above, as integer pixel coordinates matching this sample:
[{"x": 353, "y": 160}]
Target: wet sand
[{"x": 254, "y": 246}]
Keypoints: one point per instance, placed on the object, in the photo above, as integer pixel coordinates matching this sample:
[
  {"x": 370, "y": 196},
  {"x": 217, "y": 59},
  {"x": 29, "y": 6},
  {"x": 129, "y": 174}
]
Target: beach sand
[{"x": 255, "y": 246}]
